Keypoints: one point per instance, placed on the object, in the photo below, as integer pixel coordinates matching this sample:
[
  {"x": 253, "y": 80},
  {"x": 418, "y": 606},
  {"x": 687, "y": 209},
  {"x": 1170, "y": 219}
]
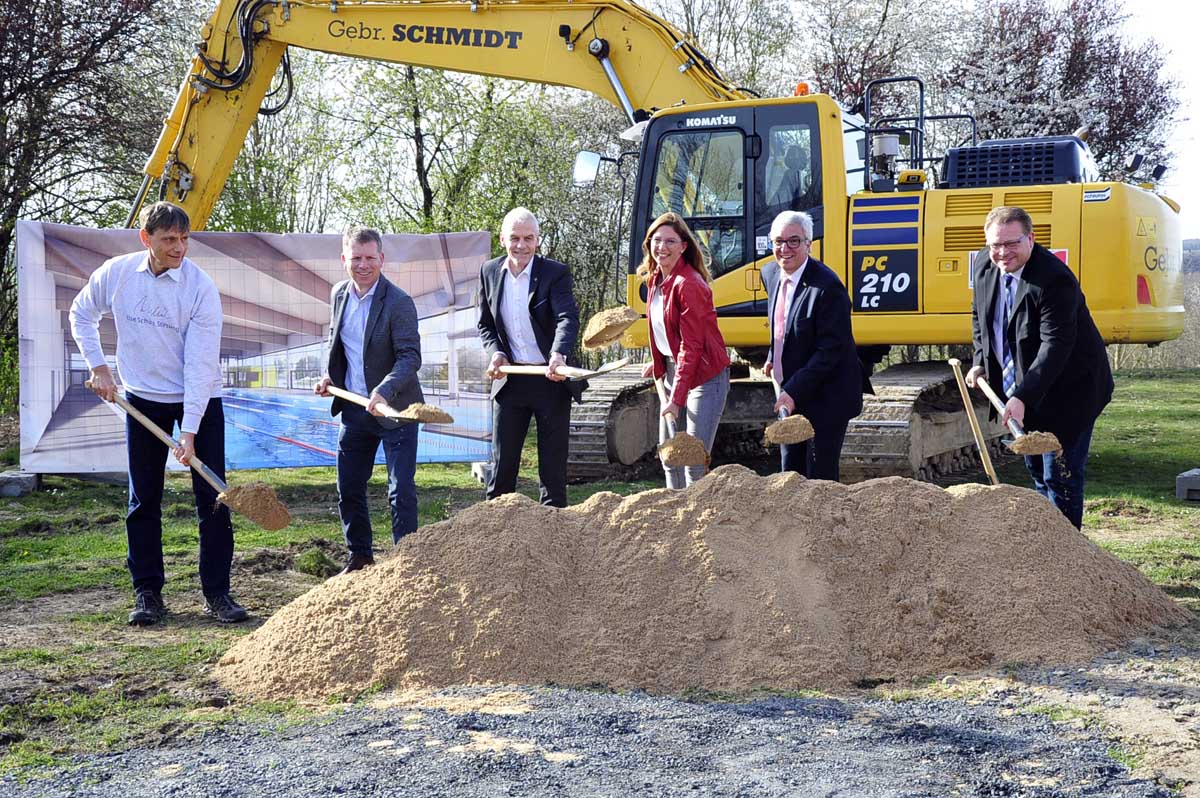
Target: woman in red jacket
[{"x": 686, "y": 347}]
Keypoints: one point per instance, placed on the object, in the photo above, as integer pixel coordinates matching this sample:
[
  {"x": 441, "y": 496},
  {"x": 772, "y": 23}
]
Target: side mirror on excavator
[{"x": 587, "y": 166}]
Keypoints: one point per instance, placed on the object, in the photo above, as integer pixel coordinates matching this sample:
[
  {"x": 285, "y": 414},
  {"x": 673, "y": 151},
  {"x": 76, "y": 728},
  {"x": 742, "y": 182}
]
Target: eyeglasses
[
  {"x": 795, "y": 242},
  {"x": 665, "y": 242},
  {"x": 1000, "y": 246}
]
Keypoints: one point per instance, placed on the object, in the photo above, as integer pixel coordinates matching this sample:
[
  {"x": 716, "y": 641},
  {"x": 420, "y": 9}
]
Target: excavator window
[
  {"x": 790, "y": 181},
  {"x": 701, "y": 176}
]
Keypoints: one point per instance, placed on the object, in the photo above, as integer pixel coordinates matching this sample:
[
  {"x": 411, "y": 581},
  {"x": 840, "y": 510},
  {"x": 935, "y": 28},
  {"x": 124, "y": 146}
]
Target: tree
[
  {"x": 1040, "y": 69},
  {"x": 1022, "y": 67},
  {"x": 848, "y": 43},
  {"x": 78, "y": 113},
  {"x": 285, "y": 179},
  {"x": 746, "y": 39}
]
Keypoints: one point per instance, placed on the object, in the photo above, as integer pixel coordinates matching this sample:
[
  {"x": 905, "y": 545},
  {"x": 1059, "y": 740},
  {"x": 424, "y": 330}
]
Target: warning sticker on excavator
[
  {"x": 885, "y": 281},
  {"x": 1147, "y": 227}
]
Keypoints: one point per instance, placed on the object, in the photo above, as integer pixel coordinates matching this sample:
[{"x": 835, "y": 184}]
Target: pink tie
[{"x": 780, "y": 325}]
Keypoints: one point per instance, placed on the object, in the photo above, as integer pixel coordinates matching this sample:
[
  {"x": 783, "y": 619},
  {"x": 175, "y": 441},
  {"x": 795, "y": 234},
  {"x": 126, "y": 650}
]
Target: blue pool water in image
[{"x": 287, "y": 429}]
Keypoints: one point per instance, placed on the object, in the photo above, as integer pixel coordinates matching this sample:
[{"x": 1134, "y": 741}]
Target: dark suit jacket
[
  {"x": 821, "y": 371},
  {"x": 552, "y": 311},
  {"x": 1063, "y": 375},
  {"x": 391, "y": 347}
]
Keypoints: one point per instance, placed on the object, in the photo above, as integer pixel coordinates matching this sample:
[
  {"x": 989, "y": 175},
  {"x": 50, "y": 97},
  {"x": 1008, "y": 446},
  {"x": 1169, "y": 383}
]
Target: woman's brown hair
[{"x": 691, "y": 255}]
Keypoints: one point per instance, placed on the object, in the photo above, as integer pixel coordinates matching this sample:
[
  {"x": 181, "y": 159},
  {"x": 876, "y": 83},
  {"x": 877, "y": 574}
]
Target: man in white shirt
[
  {"x": 528, "y": 316},
  {"x": 168, "y": 317}
]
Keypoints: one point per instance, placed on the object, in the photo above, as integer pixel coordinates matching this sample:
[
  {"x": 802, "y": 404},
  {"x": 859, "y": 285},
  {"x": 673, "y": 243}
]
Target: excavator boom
[{"x": 543, "y": 41}]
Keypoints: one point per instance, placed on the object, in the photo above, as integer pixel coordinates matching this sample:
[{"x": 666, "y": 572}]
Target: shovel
[
  {"x": 606, "y": 327},
  {"x": 257, "y": 501},
  {"x": 1024, "y": 443},
  {"x": 428, "y": 414},
  {"x": 570, "y": 372},
  {"x": 787, "y": 430},
  {"x": 682, "y": 449},
  {"x": 956, "y": 364}
]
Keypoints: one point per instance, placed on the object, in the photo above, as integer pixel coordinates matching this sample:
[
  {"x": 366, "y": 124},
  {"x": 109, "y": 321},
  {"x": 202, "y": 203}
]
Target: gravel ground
[{"x": 571, "y": 742}]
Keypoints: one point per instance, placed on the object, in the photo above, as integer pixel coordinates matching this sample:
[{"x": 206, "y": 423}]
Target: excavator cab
[{"x": 728, "y": 170}]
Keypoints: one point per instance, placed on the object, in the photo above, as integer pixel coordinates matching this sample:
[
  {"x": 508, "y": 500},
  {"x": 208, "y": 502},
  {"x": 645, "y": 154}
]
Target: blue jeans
[
  {"x": 358, "y": 442},
  {"x": 1060, "y": 478},
  {"x": 143, "y": 521},
  {"x": 700, "y": 418}
]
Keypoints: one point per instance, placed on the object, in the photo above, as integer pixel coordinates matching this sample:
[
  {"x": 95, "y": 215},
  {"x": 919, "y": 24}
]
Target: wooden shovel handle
[
  {"x": 663, "y": 402},
  {"x": 1013, "y": 426},
  {"x": 570, "y": 372},
  {"x": 956, "y": 364},
  {"x": 195, "y": 462},
  {"x": 358, "y": 399}
]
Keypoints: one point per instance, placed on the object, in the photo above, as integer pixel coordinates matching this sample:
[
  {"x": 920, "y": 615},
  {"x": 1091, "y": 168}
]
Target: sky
[{"x": 1172, "y": 23}]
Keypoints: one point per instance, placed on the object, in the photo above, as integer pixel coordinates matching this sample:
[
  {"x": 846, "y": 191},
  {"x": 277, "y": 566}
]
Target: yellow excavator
[{"x": 728, "y": 162}]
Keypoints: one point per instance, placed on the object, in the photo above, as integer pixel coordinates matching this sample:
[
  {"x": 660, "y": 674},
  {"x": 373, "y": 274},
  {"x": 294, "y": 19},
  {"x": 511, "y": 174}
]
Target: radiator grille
[
  {"x": 968, "y": 204},
  {"x": 1032, "y": 201}
]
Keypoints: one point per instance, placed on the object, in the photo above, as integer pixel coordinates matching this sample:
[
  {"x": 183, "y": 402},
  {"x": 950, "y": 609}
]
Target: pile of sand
[{"x": 740, "y": 581}]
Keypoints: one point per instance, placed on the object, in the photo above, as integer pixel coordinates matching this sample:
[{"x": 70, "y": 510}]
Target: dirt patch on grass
[
  {"x": 45, "y": 622},
  {"x": 1118, "y": 508},
  {"x": 1144, "y": 697}
]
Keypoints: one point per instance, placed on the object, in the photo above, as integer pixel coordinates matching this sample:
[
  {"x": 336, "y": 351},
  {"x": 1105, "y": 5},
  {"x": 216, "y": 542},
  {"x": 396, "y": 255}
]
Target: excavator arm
[{"x": 611, "y": 48}]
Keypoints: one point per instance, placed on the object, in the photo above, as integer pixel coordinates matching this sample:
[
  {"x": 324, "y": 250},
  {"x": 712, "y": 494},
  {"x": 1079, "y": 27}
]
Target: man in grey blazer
[{"x": 374, "y": 351}]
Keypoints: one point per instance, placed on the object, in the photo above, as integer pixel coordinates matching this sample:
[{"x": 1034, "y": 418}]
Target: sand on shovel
[
  {"x": 258, "y": 502},
  {"x": 427, "y": 414},
  {"x": 683, "y": 449},
  {"x": 789, "y": 430},
  {"x": 734, "y": 583},
  {"x": 1034, "y": 443},
  {"x": 607, "y": 326}
]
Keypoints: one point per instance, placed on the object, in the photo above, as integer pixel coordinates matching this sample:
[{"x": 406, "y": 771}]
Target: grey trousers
[{"x": 700, "y": 417}]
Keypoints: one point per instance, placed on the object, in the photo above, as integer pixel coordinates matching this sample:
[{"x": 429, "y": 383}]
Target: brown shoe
[{"x": 356, "y": 563}]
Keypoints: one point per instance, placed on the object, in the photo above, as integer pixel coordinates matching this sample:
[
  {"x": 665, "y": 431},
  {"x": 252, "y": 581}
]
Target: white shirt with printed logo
[{"x": 168, "y": 330}]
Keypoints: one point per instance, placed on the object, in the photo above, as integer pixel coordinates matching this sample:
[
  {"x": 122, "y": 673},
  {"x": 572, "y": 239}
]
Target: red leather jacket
[{"x": 692, "y": 333}]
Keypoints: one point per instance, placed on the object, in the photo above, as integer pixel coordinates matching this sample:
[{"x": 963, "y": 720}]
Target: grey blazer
[{"x": 391, "y": 347}]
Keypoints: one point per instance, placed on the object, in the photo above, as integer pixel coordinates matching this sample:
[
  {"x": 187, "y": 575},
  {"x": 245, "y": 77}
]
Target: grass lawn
[{"x": 74, "y": 678}]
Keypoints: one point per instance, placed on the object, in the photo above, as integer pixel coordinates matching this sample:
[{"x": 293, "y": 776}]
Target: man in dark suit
[
  {"x": 1037, "y": 345},
  {"x": 375, "y": 351},
  {"x": 527, "y": 315},
  {"x": 812, "y": 357}
]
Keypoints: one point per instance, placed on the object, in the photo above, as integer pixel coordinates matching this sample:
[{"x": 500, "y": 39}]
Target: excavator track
[
  {"x": 914, "y": 426},
  {"x": 614, "y": 427}
]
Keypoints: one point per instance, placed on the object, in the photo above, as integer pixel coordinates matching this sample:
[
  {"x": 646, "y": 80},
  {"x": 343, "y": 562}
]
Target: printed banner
[{"x": 275, "y": 296}]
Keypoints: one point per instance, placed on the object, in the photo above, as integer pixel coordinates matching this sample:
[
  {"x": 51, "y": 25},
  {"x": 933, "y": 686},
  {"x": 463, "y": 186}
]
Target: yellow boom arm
[{"x": 611, "y": 48}]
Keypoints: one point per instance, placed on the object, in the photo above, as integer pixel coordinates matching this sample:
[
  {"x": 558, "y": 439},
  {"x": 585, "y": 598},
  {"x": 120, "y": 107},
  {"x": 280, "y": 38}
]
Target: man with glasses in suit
[
  {"x": 1037, "y": 346},
  {"x": 812, "y": 358}
]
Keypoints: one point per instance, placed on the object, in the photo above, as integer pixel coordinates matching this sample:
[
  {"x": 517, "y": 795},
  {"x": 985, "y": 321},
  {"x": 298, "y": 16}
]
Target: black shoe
[
  {"x": 356, "y": 563},
  {"x": 148, "y": 608},
  {"x": 225, "y": 609}
]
